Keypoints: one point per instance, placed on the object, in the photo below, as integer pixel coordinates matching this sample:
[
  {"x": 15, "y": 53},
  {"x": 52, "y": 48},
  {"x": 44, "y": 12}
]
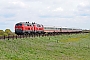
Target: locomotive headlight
[{"x": 18, "y": 28}]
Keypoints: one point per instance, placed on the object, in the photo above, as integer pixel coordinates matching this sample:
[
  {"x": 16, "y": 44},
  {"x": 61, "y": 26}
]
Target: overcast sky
[{"x": 63, "y": 13}]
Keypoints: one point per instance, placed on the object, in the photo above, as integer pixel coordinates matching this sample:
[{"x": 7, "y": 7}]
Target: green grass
[{"x": 62, "y": 47}]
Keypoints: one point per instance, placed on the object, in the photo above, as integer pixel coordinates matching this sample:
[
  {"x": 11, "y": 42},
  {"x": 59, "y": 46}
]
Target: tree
[{"x": 8, "y": 31}]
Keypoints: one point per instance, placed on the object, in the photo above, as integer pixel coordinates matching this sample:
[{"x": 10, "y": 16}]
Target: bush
[
  {"x": 1, "y": 32},
  {"x": 5, "y": 34}
]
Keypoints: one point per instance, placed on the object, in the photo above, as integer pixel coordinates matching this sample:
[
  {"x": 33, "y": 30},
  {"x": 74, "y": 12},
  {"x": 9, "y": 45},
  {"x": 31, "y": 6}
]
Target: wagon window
[
  {"x": 44, "y": 27},
  {"x": 64, "y": 28}
]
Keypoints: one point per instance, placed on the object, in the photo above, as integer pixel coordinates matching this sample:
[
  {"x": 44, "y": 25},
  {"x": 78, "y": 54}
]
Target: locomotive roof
[
  {"x": 25, "y": 22},
  {"x": 28, "y": 23}
]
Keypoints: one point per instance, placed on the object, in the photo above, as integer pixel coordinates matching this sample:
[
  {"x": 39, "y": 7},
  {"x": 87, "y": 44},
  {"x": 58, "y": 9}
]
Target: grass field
[{"x": 62, "y": 47}]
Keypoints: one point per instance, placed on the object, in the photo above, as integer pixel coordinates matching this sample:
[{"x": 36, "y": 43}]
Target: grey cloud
[
  {"x": 58, "y": 12},
  {"x": 83, "y": 10}
]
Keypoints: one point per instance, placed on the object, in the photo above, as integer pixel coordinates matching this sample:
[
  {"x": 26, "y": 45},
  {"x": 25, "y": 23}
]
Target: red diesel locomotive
[{"x": 30, "y": 28}]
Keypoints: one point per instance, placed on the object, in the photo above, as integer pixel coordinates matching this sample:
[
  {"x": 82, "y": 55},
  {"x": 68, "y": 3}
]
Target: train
[{"x": 35, "y": 28}]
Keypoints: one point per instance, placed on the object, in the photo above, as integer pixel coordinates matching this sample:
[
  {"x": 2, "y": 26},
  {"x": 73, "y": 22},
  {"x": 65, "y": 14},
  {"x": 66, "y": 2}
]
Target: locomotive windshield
[{"x": 19, "y": 24}]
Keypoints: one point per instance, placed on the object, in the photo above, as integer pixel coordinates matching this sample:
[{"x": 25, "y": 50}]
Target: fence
[
  {"x": 33, "y": 35},
  {"x": 23, "y": 36}
]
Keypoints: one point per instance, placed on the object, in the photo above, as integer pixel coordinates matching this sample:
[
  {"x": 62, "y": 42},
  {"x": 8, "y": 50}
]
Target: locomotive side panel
[
  {"x": 23, "y": 28},
  {"x": 37, "y": 28},
  {"x": 28, "y": 28}
]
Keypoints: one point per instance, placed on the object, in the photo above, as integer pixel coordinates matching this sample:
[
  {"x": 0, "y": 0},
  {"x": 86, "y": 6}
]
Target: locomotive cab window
[
  {"x": 30, "y": 25},
  {"x": 27, "y": 25},
  {"x": 18, "y": 24},
  {"x": 41, "y": 25},
  {"x": 38, "y": 25}
]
